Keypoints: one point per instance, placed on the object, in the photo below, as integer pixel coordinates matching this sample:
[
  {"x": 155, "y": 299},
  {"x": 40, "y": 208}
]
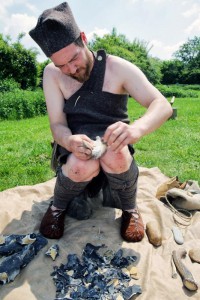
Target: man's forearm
[
  {"x": 157, "y": 113},
  {"x": 61, "y": 134}
]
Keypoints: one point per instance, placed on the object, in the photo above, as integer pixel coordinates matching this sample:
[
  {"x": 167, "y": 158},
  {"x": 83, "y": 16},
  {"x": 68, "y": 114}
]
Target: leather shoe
[
  {"x": 52, "y": 225},
  {"x": 132, "y": 227}
]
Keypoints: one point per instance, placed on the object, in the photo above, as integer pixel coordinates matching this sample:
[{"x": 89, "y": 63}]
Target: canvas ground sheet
[{"x": 22, "y": 208}]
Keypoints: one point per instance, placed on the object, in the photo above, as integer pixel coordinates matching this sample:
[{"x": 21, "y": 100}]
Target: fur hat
[{"x": 56, "y": 28}]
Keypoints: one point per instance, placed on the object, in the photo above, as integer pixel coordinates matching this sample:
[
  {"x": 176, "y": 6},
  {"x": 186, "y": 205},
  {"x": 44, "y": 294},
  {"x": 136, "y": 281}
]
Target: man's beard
[{"x": 83, "y": 74}]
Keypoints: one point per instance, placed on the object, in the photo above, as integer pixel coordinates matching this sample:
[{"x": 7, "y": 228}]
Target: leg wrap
[
  {"x": 66, "y": 189},
  {"x": 125, "y": 185}
]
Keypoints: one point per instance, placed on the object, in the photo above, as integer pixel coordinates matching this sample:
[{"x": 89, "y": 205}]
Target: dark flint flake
[
  {"x": 119, "y": 261},
  {"x": 129, "y": 292},
  {"x": 90, "y": 254},
  {"x": 72, "y": 262},
  {"x": 17, "y": 256},
  {"x": 10, "y": 248}
]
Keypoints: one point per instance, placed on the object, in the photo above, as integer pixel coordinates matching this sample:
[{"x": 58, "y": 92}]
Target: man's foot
[
  {"x": 52, "y": 225},
  {"x": 132, "y": 228}
]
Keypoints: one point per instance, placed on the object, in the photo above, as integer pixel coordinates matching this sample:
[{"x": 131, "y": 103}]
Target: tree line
[{"x": 19, "y": 66}]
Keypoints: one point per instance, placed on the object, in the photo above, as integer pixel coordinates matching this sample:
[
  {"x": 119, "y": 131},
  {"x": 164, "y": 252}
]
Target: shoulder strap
[{"x": 95, "y": 82}]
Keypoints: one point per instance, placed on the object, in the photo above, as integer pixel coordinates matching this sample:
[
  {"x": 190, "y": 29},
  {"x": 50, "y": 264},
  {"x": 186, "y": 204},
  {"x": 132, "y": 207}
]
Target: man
[{"x": 86, "y": 96}]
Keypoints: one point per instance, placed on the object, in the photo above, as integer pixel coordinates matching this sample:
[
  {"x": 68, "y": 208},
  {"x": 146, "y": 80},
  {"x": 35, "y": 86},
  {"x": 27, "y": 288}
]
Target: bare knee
[
  {"x": 116, "y": 163},
  {"x": 79, "y": 170}
]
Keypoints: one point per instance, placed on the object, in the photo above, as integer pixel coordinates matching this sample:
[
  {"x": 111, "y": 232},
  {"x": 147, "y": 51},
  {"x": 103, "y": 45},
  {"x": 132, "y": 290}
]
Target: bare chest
[{"x": 69, "y": 86}]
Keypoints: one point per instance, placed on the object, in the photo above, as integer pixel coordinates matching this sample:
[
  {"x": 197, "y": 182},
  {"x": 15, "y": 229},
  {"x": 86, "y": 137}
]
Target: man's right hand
[{"x": 80, "y": 145}]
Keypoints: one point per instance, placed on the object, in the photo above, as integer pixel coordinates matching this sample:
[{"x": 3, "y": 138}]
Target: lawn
[
  {"x": 174, "y": 147},
  {"x": 25, "y": 152},
  {"x": 25, "y": 149}
]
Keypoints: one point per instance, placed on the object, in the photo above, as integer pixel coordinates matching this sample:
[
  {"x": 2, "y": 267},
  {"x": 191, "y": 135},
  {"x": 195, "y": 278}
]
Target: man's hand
[
  {"x": 80, "y": 145},
  {"x": 121, "y": 134}
]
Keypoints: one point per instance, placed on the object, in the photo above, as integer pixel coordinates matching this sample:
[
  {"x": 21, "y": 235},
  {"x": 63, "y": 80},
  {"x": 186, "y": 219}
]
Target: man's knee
[
  {"x": 80, "y": 170},
  {"x": 116, "y": 162}
]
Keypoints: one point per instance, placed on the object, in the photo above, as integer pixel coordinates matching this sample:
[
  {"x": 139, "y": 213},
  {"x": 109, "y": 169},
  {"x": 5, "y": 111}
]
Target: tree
[
  {"x": 189, "y": 55},
  {"x": 156, "y": 64},
  {"x": 41, "y": 67},
  {"x": 18, "y": 63},
  {"x": 189, "y": 52},
  {"x": 172, "y": 71}
]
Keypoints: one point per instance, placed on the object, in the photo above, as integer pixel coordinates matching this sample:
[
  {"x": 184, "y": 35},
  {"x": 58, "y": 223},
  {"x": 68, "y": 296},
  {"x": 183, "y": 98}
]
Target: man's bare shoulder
[
  {"x": 51, "y": 70},
  {"x": 118, "y": 64},
  {"x": 54, "y": 77},
  {"x": 117, "y": 70},
  {"x": 130, "y": 78}
]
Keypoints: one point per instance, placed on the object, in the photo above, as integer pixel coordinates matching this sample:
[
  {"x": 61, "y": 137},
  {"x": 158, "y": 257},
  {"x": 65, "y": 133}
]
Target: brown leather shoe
[
  {"x": 132, "y": 228},
  {"x": 52, "y": 225}
]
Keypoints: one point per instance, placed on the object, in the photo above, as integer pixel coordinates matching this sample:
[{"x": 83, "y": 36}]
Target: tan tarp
[{"x": 21, "y": 210}]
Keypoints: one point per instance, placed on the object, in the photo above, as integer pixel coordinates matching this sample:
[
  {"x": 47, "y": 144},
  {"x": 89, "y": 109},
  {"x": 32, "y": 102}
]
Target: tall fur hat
[{"x": 56, "y": 28}]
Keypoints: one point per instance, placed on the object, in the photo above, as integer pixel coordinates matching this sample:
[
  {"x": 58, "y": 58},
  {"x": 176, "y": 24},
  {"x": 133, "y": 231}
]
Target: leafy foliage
[
  {"x": 41, "y": 67},
  {"x": 185, "y": 68},
  {"x": 156, "y": 64},
  {"x": 177, "y": 91},
  {"x": 172, "y": 71},
  {"x": 189, "y": 52},
  {"x": 20, "y": 104},
  {"x": 18, "y": 63},
  {"x": 8, "y": 85}
]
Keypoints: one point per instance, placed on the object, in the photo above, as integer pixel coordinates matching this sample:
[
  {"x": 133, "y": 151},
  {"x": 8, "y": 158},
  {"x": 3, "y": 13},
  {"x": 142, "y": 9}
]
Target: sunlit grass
[
  {"x": 174, "y": 147},
  {"x": 25, "y": 149},
  {"x": 25, "y": 152}
]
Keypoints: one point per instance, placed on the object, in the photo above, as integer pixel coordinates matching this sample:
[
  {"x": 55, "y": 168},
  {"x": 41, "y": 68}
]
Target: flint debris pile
[{"x": 96, "y": 276}]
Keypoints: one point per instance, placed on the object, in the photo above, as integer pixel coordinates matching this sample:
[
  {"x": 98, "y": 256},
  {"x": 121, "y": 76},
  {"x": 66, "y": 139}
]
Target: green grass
[
  {"x": 25, "y": 152},
  {"x": 174, "y": 147},
  {"x": 25, "y": 149}
]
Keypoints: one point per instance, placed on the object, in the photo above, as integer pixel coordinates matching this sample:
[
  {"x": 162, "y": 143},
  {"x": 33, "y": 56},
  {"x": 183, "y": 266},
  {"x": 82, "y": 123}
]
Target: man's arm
[
  {"x": 55, "y": 103},
  {"x": 158, "y": 108},
  {"x": 137, "y": 85},
  {"x": 57, "y": 118}
]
